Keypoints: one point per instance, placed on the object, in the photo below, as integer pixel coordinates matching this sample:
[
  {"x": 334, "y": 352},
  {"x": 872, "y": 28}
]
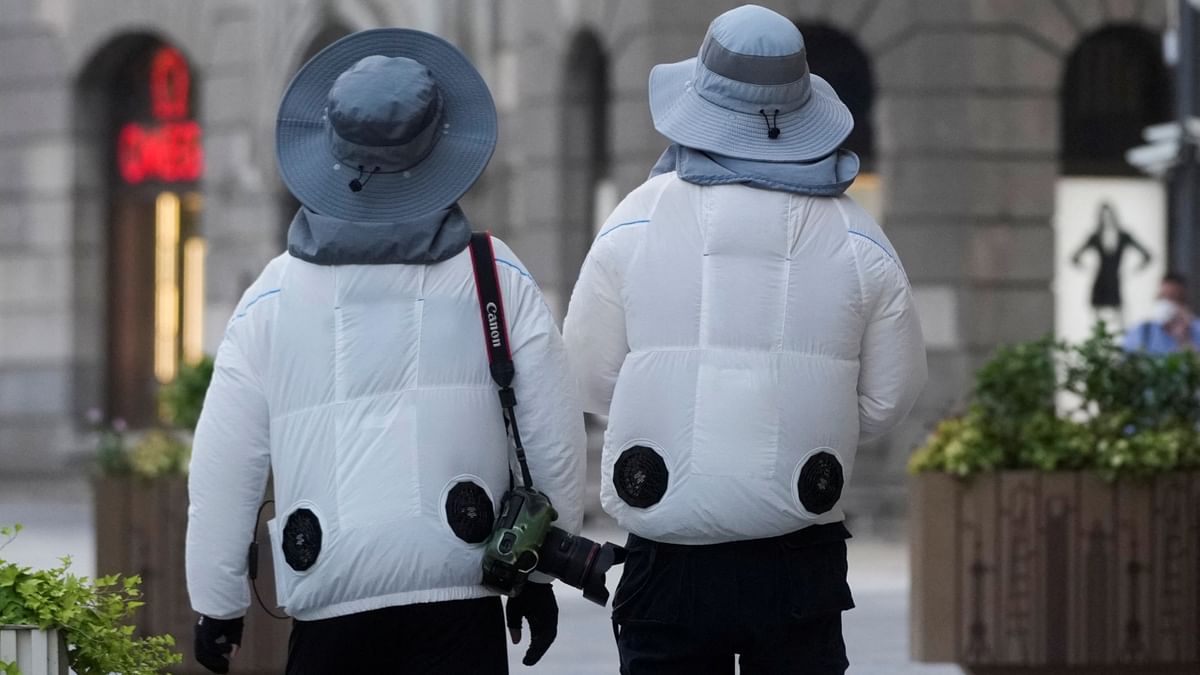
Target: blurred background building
[{"x": 139, "y": 195}]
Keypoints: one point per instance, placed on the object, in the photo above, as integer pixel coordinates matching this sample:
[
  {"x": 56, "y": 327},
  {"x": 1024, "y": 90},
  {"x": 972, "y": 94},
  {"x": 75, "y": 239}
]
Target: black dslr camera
[{"x": 524, "y": 540}]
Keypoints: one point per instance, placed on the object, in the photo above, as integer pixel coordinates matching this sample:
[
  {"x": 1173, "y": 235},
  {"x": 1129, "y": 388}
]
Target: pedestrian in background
[
  {"x": 744, "y": 325},
  {"x": 1172, "y": 326},
  {"x": 354, "y": 368}
]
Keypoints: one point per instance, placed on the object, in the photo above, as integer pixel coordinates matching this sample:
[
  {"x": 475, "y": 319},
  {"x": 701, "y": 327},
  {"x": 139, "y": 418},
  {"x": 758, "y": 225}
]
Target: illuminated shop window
[
  {"x": 178, "y": 283},
  {"x": 1110, "y": 221},
  {"x": 156, "y": 249}
]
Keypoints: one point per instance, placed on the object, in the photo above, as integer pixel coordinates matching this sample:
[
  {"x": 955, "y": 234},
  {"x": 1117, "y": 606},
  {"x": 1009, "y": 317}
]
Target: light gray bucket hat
[
  {"x": 749, "y": 93},
  {"x": 384, "y": 125}
]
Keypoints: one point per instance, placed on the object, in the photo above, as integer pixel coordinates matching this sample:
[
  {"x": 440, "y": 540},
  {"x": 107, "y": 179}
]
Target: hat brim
[
  {"x": 812, "y": 131},
  {"x": 321, "y": 182}
]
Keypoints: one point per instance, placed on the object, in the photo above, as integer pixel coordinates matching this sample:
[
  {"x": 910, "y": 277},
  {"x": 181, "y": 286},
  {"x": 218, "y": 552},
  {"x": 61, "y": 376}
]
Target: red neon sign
[
  {"x": 169, "y": 84},
  {"x": 169, "y": 150},
  {"x": 170, "y": 153}
]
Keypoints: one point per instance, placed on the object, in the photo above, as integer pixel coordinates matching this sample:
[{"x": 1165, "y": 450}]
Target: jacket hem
[
  {"x": 393, "y": 600},
  {"x": 667, "y": 536}
]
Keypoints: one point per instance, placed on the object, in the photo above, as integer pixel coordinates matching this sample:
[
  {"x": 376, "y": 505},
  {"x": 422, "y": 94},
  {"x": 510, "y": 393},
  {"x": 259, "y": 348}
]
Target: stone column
[{"x": 37, "y": 348}]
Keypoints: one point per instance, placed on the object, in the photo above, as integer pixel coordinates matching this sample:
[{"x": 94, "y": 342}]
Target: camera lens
[
  {"x": 579, "y": 562},
  {"x": 567, "y": 557}
]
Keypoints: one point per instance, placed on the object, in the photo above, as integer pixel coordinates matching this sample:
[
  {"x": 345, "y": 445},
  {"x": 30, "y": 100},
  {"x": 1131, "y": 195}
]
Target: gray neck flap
[
  {"x": 325, "y": 240},
  {"x": 829, "y": 176}
]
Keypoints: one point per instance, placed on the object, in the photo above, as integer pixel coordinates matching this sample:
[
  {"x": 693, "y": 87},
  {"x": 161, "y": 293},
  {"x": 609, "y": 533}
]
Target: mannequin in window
[{"x": 1110, "y": 241}]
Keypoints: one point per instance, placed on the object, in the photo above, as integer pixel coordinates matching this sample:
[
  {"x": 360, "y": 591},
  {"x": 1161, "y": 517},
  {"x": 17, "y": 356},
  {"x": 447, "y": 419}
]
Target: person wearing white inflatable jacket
[
  {"x": 744, "y": 325},
  {"x": 355, "y": 369}
]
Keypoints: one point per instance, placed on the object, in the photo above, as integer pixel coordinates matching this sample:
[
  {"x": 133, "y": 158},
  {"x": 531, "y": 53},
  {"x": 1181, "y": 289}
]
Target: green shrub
[
  {"x": 92, "y": 615},
  {"x": 180, "y": 400},
  {"x": 159, "y": 453},
  {"x": 1048, "y": 406},
  {"x": 163, "y": 451},
  {"x": 112, "y": 452},
  {"x": 148, "y": 455}
]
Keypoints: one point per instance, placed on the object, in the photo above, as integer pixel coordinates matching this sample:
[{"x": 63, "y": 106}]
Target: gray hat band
[
  {"x": 388, "y": 158},
  {"x": 745, "y": 97},
  {"x": 751, "y": 69}
]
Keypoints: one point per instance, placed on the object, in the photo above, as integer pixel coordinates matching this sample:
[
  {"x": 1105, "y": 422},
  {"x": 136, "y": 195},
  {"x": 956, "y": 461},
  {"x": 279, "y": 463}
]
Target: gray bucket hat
[
  {"x": 749, "y": 93},
  {"x": 384, "y": 125}
]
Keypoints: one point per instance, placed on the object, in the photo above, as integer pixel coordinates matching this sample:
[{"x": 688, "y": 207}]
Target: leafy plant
[
  {"x": 92, "y": 616},
  {"x": 111, "y": 450},
  {"x": 180, "y": 401},
  {"x": 1049, "y": 406},
  {"x": 159, "y": 453},
  {"x": 152, "y": 454},
  {"x": 162, "y": 451}
]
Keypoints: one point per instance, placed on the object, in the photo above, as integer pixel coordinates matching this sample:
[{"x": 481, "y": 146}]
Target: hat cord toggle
[
  {"x": 772, "y": 129},
  {"x": 358, "y": 184}
]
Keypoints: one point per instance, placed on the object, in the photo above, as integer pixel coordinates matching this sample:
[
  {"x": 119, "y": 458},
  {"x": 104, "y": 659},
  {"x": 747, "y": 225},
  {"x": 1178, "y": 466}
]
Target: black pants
[
  {"x": 775, "y": 602},
  {"x": 440, "y": 638}
]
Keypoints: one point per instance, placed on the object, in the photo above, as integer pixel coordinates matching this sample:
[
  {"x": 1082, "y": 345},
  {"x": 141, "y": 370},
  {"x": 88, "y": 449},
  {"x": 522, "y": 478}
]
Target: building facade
[{"x": 139, "y": 195}]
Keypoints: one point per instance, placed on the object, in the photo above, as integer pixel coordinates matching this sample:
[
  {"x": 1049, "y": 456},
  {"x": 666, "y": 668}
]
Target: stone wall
[
  {"x": 37, "y": 351},
  {"x": 966, "y": 128}
]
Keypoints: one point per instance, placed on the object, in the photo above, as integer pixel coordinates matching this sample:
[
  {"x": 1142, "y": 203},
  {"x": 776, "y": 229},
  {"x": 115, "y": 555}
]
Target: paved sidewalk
[{"x": 57, "y": 514}]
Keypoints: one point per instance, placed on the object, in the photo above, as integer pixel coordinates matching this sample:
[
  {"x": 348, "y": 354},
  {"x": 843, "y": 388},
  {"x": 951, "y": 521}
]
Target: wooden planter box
[
  {"x": 141, "y": 528},
  {"x": 1027, "y": 572},
  {"x": 36, "y": 652}
]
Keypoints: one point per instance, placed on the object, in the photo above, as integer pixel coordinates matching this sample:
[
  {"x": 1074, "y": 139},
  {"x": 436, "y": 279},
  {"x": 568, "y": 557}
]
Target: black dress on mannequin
[{"x": 1106, "y": 290}]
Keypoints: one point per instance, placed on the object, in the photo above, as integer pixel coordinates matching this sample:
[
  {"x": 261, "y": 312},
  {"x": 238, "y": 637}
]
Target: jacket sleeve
[
  {"x": 228, "y": 474},
  {"x": 594, "y": 329},
  {"x": 548, "y": 412},
  {"x": 893, "y": 367}
]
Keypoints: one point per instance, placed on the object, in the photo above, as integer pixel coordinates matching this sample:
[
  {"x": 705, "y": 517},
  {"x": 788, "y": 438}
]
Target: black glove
[
  {"x": 216, "y": 640},
  {"x": 536, "y": 604}
]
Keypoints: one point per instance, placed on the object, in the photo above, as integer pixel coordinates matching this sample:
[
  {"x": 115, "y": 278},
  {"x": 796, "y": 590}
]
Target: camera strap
[{"x": 495, "y": 338}]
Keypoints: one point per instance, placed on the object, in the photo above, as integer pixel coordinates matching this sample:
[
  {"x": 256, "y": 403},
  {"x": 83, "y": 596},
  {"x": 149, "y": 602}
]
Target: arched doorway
[
  {"x": 1110, "y": 222},
  {"x": 137, "y": 106},
  {"x": 1115, "y": 85},
  {"x": 836, "y": 57},
  {"x": 588, "y": 194}
]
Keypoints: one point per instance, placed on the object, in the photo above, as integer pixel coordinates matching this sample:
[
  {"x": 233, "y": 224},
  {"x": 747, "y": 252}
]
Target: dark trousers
[
  {"x": 774, "y": 603},
  {"x": 442, "y": 638}
]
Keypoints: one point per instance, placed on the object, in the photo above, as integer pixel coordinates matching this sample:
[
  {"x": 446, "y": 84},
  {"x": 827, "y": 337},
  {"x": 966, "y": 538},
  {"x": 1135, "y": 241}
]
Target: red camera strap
[
  {"x": 495, "y": 337},
  {"x": 491, "y": 308}
]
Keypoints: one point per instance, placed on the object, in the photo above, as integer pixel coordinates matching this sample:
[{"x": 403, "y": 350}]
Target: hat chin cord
[
  {"x": 772, "y": 129},
  {"x": 357, "y": 184}
]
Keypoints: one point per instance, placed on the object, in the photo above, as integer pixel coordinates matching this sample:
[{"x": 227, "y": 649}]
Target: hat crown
[
  {"x": 751, "y": 30},
  {"x": 749, "y": 93},
  {"x": 753, "y": 58},
  {"x": 384, "y": 125},
  {"x": 382, "y": 101}
]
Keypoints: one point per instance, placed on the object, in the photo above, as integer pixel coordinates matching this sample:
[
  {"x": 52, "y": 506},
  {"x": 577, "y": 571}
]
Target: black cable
[{"x": 252, "y": 564}]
